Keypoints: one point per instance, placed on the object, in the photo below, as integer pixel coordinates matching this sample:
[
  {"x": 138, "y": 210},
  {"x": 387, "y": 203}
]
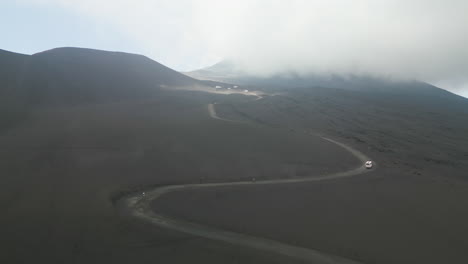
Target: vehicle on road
[{"x": 369, "y": 164}]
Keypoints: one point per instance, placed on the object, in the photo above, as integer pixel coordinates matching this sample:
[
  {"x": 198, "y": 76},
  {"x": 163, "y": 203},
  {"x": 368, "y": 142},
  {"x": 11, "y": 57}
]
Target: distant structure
[
  {"x": 235, "y": 86},
  {"x": 218, "y": 87},
  {"x": 246, "y": 91}
]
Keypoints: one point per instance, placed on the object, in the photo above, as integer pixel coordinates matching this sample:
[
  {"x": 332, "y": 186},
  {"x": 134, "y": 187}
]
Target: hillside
[
  {"x": 228, "y": 71},
  {"x": 83, "y": 129},
  {"x": 96, "y": 126},
  {"x": 421, "y": 131},
  {"x": 73, "y": 76}
]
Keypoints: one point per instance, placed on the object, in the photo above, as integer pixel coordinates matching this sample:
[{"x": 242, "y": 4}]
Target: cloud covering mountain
[{"x": 423, "y": 40}]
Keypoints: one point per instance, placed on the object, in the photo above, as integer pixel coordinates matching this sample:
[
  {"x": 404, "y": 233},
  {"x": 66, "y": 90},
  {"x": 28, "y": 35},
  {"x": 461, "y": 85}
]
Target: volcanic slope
[
  {"x": 97, "y": 125},
  {"x": 412, "y": 210}
]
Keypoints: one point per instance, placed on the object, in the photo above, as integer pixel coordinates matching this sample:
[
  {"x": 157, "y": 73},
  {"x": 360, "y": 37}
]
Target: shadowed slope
[{"x": 73, "y": 76}]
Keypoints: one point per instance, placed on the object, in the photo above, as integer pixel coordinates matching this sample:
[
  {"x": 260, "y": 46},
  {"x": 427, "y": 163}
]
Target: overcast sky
[{"x": 418, "y": 39}]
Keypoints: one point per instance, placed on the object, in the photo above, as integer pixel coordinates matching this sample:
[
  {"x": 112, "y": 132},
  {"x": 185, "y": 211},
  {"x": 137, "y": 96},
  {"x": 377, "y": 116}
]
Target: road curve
[
  {"x": 139, "y": 206},
  {"x": 214, "y": 115}
]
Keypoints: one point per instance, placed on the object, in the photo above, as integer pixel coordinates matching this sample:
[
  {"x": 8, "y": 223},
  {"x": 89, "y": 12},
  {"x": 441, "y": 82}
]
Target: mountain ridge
[
  {"x": 75, "y": 75},
  {"x": 227, "y": 71}
]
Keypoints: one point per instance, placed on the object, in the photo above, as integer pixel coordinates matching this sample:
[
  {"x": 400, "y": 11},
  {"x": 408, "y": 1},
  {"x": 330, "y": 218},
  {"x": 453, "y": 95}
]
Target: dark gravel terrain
[{"x": 79, "y": 129}]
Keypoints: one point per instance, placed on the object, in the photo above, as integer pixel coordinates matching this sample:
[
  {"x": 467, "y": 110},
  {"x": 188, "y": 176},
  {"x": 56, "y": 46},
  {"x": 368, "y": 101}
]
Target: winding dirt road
[
  {"x": 139, "y": 206},
  {"x": 213, "y": 114}
]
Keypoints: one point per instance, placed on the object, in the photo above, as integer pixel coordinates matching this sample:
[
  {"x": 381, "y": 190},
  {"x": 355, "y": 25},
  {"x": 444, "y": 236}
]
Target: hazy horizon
[{"x": 422, "y": 40}]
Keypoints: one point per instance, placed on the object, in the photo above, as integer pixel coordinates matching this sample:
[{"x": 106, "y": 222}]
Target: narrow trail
[
  {"x": 214, "y": 115},
  {"x": 139, "y": 206}
]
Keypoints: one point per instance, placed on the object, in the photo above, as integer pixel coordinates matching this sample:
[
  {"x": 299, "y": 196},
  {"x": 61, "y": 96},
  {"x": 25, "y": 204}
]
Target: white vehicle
[
  {"x": 369, "y": 164},
  {"x": 218, "y": 87},
  {"x": 246, "y": 91}
]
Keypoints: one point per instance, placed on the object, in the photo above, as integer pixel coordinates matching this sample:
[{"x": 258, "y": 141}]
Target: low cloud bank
[{"x": 424, "y": 40}]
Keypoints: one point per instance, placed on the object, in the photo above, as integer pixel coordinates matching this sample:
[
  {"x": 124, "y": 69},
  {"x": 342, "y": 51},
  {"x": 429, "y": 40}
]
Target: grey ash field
[{"x": 80, "y": 129}]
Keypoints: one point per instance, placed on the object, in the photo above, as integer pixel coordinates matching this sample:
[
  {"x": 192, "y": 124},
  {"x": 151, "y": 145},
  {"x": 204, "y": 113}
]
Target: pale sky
[{"x": 419, "y": 39}]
